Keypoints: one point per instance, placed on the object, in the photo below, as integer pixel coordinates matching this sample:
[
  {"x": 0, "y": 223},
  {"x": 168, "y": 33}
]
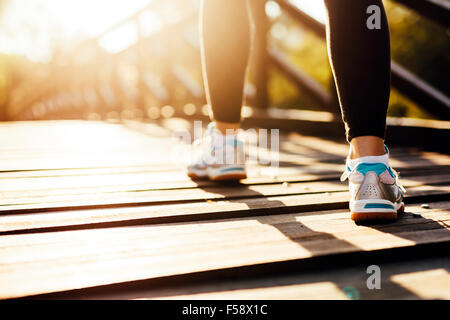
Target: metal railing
[
  {"x": 161, "y": 60},
  {"x": 429, "y": 98}
]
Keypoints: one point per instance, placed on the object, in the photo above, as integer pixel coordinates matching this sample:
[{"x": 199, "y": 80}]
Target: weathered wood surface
[
  {"x": 410, "y": 279},
  {"x": 93, "y": 207}
]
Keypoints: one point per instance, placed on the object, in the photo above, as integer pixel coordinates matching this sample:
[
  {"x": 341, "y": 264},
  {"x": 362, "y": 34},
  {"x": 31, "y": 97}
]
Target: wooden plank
[
  {"x": 333, "y": 278},
  {"x": 431, "y": 284},
  {"x": 309, "y": 291},
  {"x": 410, "y": 279},
  {"x": 199, "y": 211},
  {"x": 35, "y": 258},
  {"x": 403, "y": 162},
  {"x": 84, "y": 144},
  {"x": 426, "y": 279},
  {"x": 50, "y": 262},
  {"x": 301, "y": 165},
  {"x": 234, "y": 191},
  {"x": 146, "y": 161},
  {"x": 317, "y": 282},
  {"x": 12, "y": 188},
  {"x": 305, "y": 149}
]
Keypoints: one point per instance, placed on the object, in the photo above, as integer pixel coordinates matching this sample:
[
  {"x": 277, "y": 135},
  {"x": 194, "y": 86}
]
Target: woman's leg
[
  {"x": 225, "y": 46},
  {"x": 360, "y": 58}
]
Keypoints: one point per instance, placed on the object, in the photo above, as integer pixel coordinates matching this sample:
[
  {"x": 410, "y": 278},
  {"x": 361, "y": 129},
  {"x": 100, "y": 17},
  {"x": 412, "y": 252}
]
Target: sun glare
[
  {"x": 33, "y": 24},
  {"x": 33, "y": 27},
  {"x": 314, "y": 8}
]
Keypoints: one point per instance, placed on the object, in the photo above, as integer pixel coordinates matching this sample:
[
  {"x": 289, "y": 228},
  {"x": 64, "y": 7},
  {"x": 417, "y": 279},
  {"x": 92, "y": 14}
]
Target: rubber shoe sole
[
  {"x": 197, "y": 174},
  {"x": 230, "y": 173},
  {"x": 374, "y": 215},
  {"x": 219, "y": 174},
  {"x": 229, "y": 177}
]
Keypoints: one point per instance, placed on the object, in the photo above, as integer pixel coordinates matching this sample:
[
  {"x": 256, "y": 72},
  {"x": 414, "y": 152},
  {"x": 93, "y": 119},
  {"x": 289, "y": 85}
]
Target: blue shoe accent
[
  {"x": 391, "y": 172},
  {"x": 233, "y": 142},
  {"x": 211, "y": 126},
  {"x": 378, "y": 206},
  {"x": 401, "y": 197},
  {"x": 378, "y": 168},
  {"x": 231, "y": 169}
]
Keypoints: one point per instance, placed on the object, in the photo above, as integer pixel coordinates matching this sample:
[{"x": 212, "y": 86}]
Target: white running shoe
[
  {"x": 375, "y": 192},
  {"x": 218, "y": 157}
]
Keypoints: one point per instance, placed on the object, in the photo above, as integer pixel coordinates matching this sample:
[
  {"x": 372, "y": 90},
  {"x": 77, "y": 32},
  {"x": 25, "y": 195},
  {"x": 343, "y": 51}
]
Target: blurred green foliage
[{"x": 418, "y": 44}]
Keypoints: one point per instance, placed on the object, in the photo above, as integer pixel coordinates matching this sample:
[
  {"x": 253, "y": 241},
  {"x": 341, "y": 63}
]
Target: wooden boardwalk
[{"x": 92, "y": 210}]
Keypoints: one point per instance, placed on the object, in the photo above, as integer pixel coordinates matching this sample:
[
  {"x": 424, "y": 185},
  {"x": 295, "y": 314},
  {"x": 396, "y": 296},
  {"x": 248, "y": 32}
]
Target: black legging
[{"x": 360, "y": 59}]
